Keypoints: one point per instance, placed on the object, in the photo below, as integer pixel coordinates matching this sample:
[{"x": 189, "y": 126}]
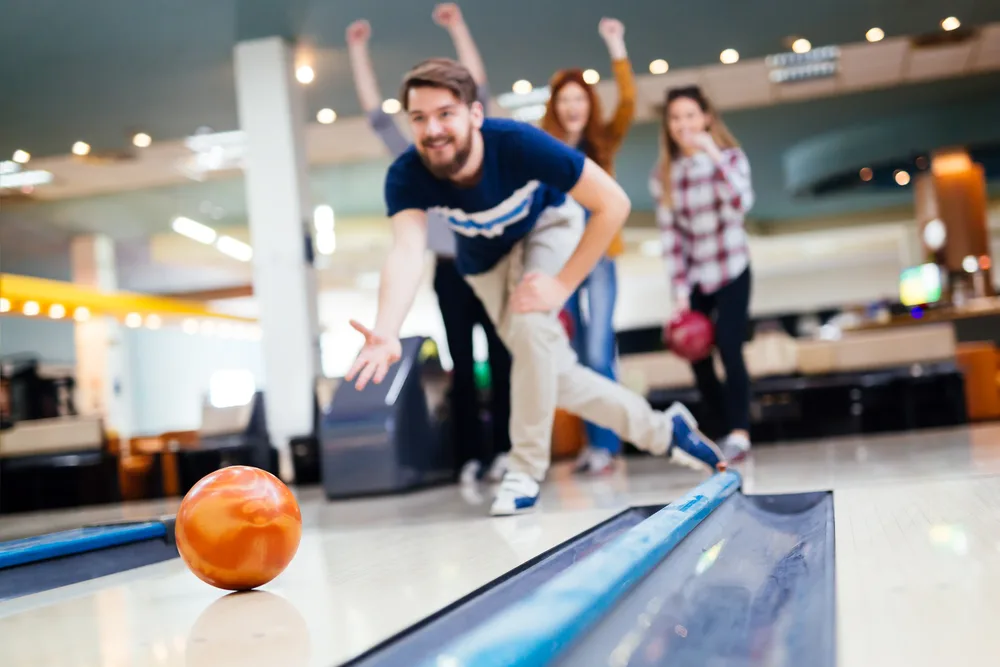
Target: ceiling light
[
  {"x": 522, "y": 87},
  {"x": 970, "y": 264},
  {"x": 659, "y": 66},
  {"x": 902, "y": 177},
  {"x": 4, "y": 305},
  {"x": 21, "y": 157},
  {"x": 235, "y": 248},
  {"x": 591, "y": 76},
  {"x": 866, "y": 174},
  {"x": 323, "y": 218},
  {"x": 57, "y": 311},
  {"x": 153, "y": 322},
  {"x": 81, "y": 314},
  {"x": 326, "y": 116},
  {"x": 190, "y": 326},
  {"x": 193, "y": 230},
  {"x": 81, "y": 148},
  {"x": 133, "y": 320},
  {"x": 729, "y": 56},
  {"x": 951, "y": 23},
  {"x": 875, "y": 35},
  {"x": 141, "y": 140},
  {"x": 305, "y": 74},
  {"x": 391, "y": 106},
  {"x": 31, "y": 308},
  {"x": 326, "y": 241},
  {"x": 801, "y": 45}
]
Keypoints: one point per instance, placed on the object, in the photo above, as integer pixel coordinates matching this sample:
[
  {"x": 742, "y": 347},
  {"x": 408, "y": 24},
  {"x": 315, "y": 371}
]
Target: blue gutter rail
[
  {"x": 78, "y": 540},
  {"x": 533, "y": 632}
]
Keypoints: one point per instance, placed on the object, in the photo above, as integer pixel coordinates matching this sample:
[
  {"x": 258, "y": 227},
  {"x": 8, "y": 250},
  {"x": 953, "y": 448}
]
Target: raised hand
[
  {"x": 359, "y": 33},
  {"x": 447, "y": 15},
  {"x": 373, "y": 362},
  {"x": 611, "y": 29}
]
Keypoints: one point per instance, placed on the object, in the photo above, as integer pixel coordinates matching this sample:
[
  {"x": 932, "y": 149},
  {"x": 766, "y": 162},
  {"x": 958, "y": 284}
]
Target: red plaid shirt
[{"x": 704, "y": 241}]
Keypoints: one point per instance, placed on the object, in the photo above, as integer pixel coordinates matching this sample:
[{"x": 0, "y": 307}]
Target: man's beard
[{"x": 449, "y": 169}]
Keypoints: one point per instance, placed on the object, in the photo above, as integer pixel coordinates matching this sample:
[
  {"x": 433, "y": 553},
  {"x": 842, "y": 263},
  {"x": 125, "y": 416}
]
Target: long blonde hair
[{"x": 669, "y": 150}]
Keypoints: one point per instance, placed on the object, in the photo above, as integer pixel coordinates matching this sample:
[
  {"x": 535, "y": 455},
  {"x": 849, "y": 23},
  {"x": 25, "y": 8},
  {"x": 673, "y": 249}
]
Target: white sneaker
[
  {"x": 470, "y": 472},
  {"x": 518, "y": 493},
  {"x": 736, "y": 447},
  {"x": 498, "y": 469},
  {"x": 595, "y": 461}
]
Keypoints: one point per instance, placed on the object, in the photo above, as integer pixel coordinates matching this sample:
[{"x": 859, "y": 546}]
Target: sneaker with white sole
[
  {"x": 690, "y": 447},
  {"x": 736, "y": 447},
  {"x": 470, "y": 472},
  {"x": 518, "y": 493},
  {"x": 498, "y": 468},
  {"x": 595, "y": 461}
]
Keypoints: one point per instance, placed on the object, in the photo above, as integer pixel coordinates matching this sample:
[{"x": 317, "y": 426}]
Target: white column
[
  {"x": 271, "y": 115},
  {"x": 102, "y": 361}
]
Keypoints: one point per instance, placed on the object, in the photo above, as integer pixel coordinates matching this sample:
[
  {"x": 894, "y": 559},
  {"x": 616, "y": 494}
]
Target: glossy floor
[{"x": 918, "y": 558}]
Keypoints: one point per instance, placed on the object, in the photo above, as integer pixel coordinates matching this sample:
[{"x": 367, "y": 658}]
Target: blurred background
[{"x": 131, "y": 275}]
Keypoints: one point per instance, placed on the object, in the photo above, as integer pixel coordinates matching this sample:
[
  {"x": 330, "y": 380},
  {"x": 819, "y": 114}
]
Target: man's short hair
[{"x": 439, "y": 73}]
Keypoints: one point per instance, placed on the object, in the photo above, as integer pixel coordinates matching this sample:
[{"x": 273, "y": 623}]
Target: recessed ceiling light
[
  {"x": 902, "y": 177},
  {"x": 522, "y": 87},
  {"x": 391, "y": 105},
  {"x": 659, "y": 66},
  {"x": 305, "y": 74},
  {"x": 81, "y": 148},
  {"x": 4, "y": 305},
  {"x": 31, "y": 308},
  {"x": 591, "y": 76},
  {"x": 729, "y": 56},
  {"x": 875, "y": 35},
  {"x": 951, "y": 23},
  {"x": 133, "y": 320},
  {"x": 326, "y": 116},
  {"x": 153, "y": 321},
  {"x": 81, "y": 314},
  {"x": 142, "y": 140},
  {"x": 866, "y": 174},
  {"x": 57, "y": 311},
  {"x": 801, "y": 45},
  {"x": 21, "y": 157}
]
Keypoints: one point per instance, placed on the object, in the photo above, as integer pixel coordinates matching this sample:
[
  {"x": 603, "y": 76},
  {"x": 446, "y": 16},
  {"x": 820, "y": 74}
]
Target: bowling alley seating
[
  {"x": 860, "y": 382},
  {"x": 55, "y": 463},
  {"x": 169, "y": 464}
]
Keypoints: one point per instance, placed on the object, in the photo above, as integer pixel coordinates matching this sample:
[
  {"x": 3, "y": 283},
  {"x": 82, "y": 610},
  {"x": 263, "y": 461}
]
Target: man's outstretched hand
[{"x": 373, "y": 362}]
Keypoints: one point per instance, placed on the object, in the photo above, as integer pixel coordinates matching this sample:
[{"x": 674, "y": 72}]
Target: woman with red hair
[{"x": 573, "y": 115}]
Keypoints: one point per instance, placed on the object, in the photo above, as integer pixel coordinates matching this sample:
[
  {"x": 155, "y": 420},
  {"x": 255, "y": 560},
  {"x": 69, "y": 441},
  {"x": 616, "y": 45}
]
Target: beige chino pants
[{"x": 545, "y": 372}]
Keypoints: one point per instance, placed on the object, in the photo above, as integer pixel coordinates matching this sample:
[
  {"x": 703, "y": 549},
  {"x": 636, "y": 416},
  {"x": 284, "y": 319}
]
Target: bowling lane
[
  {"x": 918, "y": 573},
  {"x": 345, "y": 591}
]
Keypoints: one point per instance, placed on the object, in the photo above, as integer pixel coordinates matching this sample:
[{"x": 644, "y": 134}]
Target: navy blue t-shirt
[{"x": 525, "y": 171}]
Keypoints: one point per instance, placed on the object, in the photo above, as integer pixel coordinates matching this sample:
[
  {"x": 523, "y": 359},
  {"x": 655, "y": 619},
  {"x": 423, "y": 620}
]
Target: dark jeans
[
  {"x": 461, "y": 311},
  {"x": 729, "y": 308}
]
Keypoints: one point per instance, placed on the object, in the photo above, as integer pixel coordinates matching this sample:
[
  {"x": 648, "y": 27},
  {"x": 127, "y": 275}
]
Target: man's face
[{"x": 442, "y": 128}]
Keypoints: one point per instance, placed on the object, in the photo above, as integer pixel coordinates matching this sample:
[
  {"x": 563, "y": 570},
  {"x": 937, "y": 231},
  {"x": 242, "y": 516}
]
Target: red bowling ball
[{"x": 690, "y": 335}]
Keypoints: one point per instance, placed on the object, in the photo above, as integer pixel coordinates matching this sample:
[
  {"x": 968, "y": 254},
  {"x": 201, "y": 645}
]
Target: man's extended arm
[{"x": 402, "y": 271}]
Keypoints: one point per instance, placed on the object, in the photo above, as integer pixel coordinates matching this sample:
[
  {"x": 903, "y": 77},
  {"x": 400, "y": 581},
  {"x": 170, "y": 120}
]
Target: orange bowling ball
[{"x": 238, "y": 528}]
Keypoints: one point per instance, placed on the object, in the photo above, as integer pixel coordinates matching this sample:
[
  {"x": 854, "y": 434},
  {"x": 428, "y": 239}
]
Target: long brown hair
[
  {"x": 670, "y": 150},
  {"x": 594, "y": 136}
]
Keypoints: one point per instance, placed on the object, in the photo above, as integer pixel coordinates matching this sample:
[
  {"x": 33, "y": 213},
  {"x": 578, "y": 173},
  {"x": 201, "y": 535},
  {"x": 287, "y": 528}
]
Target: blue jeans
[{"x": 594, "y": 340}]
